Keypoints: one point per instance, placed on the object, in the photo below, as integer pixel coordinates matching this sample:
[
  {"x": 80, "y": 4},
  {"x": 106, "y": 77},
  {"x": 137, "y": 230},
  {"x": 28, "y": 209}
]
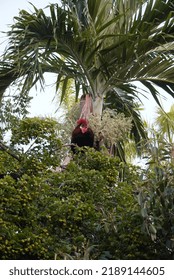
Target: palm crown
[{"x": 104, "y": 46}]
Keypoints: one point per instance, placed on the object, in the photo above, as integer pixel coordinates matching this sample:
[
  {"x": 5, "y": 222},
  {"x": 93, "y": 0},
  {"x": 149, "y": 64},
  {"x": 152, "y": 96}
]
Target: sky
[{"x": 45, "y": 103}]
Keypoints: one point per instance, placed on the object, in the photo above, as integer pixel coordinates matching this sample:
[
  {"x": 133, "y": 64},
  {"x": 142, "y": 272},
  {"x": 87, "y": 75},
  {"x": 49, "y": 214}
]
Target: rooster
[{"x": 82, "y": 135}]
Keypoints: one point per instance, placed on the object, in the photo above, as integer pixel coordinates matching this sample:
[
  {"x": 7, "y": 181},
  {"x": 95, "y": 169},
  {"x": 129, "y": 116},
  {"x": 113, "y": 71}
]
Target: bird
[{"x": 82, "y": 135}]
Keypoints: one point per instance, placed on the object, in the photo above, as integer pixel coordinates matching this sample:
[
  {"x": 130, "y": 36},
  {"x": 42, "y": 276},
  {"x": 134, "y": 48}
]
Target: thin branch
[{"x": 6, "y": 149}]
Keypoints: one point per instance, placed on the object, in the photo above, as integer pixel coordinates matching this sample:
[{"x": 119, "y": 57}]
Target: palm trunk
[
  {"x": 88, "y": 106},
  {"x": 98, "y": 106}
]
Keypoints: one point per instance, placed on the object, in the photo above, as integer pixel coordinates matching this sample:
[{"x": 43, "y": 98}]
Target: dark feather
[{"x": 81, "y": 139}]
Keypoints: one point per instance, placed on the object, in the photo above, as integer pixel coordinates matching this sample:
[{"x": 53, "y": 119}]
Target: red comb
[{"x": 82, "y": 121}]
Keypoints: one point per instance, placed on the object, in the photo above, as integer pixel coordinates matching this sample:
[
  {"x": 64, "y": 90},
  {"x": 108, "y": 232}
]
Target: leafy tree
[
  {"x": 165, "y": 123},
  {"x": 157, "y": 206},
  {"x": 104, "y": 46},
  {"x": 159, "y": 146},
  {"x": 97, "y": 208}
]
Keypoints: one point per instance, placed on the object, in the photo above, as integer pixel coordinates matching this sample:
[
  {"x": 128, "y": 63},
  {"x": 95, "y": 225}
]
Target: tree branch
[{"x": 6, "y": 149}]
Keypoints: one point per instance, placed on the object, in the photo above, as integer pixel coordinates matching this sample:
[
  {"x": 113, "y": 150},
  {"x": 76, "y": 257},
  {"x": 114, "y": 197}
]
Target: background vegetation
[
  {"x": 101, "y": 205},
  {"x": 98, "y": 207}
]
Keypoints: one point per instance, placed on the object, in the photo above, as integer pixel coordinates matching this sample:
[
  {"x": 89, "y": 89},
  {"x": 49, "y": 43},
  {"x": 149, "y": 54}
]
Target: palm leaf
[{"x": 103, "y": 45}]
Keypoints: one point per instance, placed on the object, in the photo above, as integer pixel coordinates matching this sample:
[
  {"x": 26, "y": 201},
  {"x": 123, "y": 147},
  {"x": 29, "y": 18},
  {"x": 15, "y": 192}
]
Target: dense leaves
[{"x": 96, "y": 208}]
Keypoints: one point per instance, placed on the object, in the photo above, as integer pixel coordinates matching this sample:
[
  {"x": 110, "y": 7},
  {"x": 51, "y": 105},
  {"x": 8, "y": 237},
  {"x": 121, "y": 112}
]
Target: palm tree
[
  {"x": 165, "y": 123},
  {"x": 104, "y": 46}
]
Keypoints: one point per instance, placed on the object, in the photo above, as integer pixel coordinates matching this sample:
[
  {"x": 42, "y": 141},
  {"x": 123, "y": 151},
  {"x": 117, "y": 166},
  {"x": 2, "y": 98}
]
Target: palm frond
[
  {"x": 103, "y": 45},
  {"x": 124, "y": 102}
]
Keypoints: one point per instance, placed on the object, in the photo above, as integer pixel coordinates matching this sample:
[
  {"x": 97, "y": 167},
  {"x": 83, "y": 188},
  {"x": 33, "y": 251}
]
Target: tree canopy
[
  {"x": 104, "y": 46},
  {"x": 96, "y": 208}
]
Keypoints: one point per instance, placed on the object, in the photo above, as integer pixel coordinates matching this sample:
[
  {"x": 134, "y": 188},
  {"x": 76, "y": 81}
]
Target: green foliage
[
  {"x": 58, "y": 214},
  {"x": 88, "y": 211},
  {"x": 14, "y": 107},
  {"x": 41, "y": 138},
  {"x": 21, "y": 237},
  {"x": 96, "y": 208},
  {"x": 156, "y": 200}
]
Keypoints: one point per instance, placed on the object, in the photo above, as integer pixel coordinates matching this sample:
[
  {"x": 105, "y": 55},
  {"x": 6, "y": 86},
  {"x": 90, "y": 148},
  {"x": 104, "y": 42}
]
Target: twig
[{"x": 6, "y": 149}]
